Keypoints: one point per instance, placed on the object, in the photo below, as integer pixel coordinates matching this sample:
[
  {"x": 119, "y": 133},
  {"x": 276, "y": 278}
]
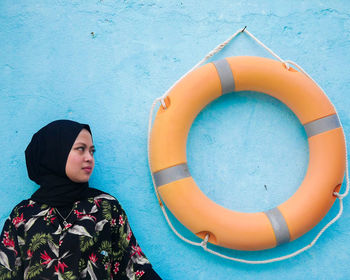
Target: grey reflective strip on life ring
[
  {"x": 171, "y": 174},
  {"x": 226, "y": 76},
  {"x": 322, "y": 125},
  {"x": 279, "y": 225}
]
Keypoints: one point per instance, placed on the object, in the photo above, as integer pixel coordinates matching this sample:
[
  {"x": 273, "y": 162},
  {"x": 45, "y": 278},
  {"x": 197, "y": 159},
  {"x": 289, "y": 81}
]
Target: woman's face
[{"x": 80, "y": 161}]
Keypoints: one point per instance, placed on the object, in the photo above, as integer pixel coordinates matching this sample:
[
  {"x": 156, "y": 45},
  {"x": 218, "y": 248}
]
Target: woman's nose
[{"x": 88, "y": 156}]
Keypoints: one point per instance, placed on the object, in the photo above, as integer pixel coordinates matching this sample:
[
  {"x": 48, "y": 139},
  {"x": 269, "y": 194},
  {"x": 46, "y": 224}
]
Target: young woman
[{"x": 67, "y": 230}]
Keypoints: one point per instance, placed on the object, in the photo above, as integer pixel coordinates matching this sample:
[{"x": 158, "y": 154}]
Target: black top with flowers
[{"x": 96, "y": 243}]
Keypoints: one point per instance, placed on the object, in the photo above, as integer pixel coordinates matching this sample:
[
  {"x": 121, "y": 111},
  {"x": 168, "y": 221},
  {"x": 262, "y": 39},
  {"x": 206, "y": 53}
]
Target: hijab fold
[{"x": 46, "y": 157}]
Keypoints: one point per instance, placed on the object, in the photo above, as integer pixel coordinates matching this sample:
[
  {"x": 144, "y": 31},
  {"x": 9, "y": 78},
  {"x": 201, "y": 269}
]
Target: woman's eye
[
  {"x": 80, "y": 148},
  {"x": 93, "y": 151}
]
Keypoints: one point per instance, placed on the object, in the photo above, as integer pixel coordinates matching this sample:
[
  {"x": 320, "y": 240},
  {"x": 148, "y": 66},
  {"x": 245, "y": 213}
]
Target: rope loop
[
  {"x": 161, "y": 99},
  {"x": 204, "y": 242},
  {"x": 339, "y": 196},
  {"x": 286, "y": 64}
]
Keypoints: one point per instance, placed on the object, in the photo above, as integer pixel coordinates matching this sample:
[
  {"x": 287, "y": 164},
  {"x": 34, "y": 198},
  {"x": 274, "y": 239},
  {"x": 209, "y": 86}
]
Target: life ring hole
[
  {"x": 203, "y": 234},
  {"x": 245, "y": 144},
  {"x": 336, "y": 189}
]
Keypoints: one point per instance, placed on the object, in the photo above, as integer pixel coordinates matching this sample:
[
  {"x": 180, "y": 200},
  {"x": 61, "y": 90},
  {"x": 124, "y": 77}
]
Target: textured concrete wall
[{"x": 103, "y": 63}]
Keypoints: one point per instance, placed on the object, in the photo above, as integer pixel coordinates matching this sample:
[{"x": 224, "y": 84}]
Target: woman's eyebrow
[{"x": 81, "y": 143}]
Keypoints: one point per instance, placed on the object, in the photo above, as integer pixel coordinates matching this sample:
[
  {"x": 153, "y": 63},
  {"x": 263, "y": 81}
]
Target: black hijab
[{"x": 46, "y": 157}]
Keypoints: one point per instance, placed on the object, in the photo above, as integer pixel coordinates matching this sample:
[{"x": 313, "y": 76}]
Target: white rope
[
  {"x": 268, "y": 49},
  {"x": 175, "y": 231},
  {"x": 148, "y": 145},
  {"x": 217, "y": 49},
  {"x": 203, "y": 244},
  {"x": 346, "y": 152},
  {"x": 286, "y": 256},
  {"x": 209, "y": 55}
]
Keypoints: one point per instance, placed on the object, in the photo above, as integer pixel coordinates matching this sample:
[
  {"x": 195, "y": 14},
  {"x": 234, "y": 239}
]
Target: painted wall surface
[{"x": 103, "y": 63}]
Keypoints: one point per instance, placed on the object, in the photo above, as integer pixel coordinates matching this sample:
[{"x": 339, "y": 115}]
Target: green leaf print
[
  {"x": 34, "y": 270},
  {"x": 38, "y": 240},
  {"x": 68, "y": 276},
  {"x": 15, "y": 212},
  {"x": 123, "y": 241},
  {"x": 115, "y": 209},
  {"x": 5, "y": 274},
  {"x": 106, "y": 246},
  {"x": 106, "y": 210},
  {"x": 82, "y": 264},
  {"x": 85, "y": 243}
]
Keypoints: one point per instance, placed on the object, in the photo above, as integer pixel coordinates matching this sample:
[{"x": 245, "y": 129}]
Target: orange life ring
[{"x": 227, "y": 228}]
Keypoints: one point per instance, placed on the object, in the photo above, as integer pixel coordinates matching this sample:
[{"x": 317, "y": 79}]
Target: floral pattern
[{"x": 96, "y": 243}]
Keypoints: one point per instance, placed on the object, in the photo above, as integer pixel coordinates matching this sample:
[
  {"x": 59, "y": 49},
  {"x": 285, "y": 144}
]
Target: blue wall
[{"x": 103, "y": 63}]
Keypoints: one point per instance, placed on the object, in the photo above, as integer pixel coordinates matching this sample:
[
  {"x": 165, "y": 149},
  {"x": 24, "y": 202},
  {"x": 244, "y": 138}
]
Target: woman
[{"x": 67, "y": 230}]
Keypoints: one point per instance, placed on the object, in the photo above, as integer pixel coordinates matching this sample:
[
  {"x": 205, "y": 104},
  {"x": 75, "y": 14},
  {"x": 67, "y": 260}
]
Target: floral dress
[{"x": 95, "y": 243}]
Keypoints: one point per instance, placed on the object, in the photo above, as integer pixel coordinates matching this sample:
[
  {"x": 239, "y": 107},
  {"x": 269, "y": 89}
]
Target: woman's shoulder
[
  {"x": 92, "y": 195},
  {"x": 100, "y": 196},
  {"x": 22, "y": 208}
]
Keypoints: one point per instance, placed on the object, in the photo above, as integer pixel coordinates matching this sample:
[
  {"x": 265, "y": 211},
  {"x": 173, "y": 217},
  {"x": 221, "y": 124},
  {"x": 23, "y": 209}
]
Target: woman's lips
[{"x": 88, "y": 169}]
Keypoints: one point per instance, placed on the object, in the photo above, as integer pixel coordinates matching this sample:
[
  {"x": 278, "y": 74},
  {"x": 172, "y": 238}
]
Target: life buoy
[{"x": 232, "y": 229}]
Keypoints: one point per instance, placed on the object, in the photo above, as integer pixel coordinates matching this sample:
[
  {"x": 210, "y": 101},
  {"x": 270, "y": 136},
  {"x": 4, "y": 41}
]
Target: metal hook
[{"x": 244, "y": 29}]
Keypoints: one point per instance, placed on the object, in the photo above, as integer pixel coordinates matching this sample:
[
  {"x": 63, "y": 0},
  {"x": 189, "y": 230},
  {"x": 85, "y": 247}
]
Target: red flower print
[
  {"x": 137, "y": 250},
  {"x": 8, "y": 242},
  {"x": 97, "y": 202},
  {"x": 113, "y": 222},
  {"x": 81, "y": 215},
  {"x": 129, "y": 235},
  {"x": 76, "y": 212},
  {"x": 18, "y": 221},
  {"x": 30, "y": 204},
  {"x": 121, "y": 221},
  {"x": 45, "y": 257},
  {"x": 61, "y": 266},
  {"x": 49, "y": 216},
  {"x": 93, "y": 258},
  {"x": 139, "y": 273},
  {"x": 29, "y": 253},
  {"x": 116, "y": 267},
  {"x": 68, "y": 226},
  {"x": 107, "y": 265}
]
